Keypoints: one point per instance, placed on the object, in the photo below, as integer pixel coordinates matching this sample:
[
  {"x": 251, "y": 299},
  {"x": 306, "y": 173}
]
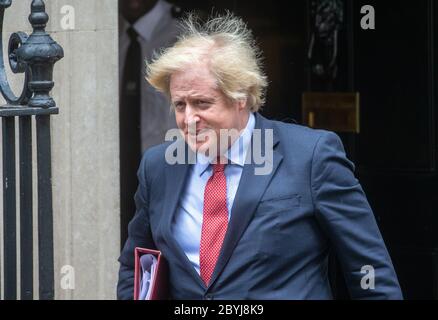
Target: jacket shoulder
[
  {"x": 300, "y": 136},
  {"x": 153, "y": 160},
  {"x": 157, "y": 151}
]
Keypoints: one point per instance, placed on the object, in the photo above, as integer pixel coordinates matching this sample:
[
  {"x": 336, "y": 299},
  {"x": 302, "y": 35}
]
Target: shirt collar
[
  {"x": 146, "y": 24},
  {"x": 236, "y": 154}
]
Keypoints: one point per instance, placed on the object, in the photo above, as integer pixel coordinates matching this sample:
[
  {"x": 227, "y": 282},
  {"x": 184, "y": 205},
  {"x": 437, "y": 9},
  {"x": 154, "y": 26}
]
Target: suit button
[{"x": 208, "y": 296}]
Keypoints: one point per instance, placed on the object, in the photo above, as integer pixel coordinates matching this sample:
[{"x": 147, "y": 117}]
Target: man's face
[{"x": 202, "y": 110}]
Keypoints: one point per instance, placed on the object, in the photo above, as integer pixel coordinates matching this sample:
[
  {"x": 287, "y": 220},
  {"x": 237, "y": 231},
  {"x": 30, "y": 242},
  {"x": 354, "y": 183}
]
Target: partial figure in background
[{"x": 145, "y": 26}]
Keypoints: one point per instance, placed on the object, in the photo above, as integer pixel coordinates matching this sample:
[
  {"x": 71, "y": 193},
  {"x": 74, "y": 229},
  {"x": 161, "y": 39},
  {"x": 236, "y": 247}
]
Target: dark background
[{"x": 393, "y": 68}]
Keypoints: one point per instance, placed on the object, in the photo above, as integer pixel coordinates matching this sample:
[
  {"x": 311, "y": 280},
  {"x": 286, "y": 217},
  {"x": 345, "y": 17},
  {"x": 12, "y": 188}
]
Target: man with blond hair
[{"x": 227, "y": 230}]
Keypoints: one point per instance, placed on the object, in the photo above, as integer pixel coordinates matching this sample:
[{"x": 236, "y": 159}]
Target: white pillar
[{"x": 85, "y": 144}]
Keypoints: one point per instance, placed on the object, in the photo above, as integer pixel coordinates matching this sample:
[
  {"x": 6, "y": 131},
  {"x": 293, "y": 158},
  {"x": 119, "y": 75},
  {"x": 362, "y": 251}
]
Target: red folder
[{"x": 159, "y": 286}]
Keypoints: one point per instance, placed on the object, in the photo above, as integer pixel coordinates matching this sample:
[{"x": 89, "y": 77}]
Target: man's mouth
[
  {"x": 199, "y": 136},
  {"x": 197, "y": 132}
]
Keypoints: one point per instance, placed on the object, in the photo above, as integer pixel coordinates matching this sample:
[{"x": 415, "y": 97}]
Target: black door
[{"x": 393, "y": 68}]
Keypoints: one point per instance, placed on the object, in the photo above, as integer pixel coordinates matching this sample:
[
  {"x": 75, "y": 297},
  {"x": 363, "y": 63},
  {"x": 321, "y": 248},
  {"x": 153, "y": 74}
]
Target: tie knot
[
  {"x": 218, "y": 167},
  {"x": 132, "y": 33}
]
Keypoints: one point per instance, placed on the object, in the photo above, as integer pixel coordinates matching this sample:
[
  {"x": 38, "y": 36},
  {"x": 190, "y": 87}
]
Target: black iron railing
[{"x": 34, "y": 55}]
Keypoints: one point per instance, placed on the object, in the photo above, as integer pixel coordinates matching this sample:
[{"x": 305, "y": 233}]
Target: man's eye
[
  {"x": 202, "y": 103},
  {"x": 179, "y": 105}
]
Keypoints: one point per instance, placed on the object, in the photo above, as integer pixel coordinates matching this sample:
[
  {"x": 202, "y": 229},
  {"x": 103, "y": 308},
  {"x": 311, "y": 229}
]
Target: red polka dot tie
[{"x": 214, "y": 222}]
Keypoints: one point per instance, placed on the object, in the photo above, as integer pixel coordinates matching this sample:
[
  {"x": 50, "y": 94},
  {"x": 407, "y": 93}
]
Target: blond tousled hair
[{"x": 227, "y": 46}]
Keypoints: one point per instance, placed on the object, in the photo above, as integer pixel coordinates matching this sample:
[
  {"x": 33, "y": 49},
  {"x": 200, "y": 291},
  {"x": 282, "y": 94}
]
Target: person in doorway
[{"x": 145, "y": 27}]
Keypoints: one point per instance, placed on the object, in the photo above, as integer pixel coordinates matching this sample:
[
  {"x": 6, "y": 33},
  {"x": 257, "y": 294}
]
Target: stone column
[{"x": 85, "y": 144}]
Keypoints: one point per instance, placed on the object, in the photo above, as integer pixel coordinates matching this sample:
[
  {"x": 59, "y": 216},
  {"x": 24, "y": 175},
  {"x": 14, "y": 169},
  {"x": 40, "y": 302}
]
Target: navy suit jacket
[{"x": 282, "y": 227}]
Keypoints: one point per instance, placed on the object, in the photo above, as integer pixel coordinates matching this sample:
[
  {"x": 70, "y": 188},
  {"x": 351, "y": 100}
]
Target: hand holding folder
[{"x": 150, "y": 275}]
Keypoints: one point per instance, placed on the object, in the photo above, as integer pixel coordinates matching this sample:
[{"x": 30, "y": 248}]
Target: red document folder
[{"x": 159, "y": 286}]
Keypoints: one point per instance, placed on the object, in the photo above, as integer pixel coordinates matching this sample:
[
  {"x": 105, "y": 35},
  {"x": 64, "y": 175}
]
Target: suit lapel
[{"x": 250, "y": 190}]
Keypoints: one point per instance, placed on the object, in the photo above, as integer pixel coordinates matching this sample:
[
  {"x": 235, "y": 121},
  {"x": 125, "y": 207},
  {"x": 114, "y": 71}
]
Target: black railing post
[
  {"x": 45, "y": 213},
  {"x": 40, "y": 52},
  {"x": 9, "y": 214},
  {"x": 26, "y": 225},
  {"x": 34, "y": 55}
]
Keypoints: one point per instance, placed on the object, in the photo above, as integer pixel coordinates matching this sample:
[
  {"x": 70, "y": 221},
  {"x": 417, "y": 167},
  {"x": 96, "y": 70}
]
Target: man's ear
[{"x": 241, "y": 103}]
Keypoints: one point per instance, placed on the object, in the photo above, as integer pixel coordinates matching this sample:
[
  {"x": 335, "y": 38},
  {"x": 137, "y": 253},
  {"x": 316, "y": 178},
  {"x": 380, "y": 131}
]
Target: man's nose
[{"x": 191, "y": 116}]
